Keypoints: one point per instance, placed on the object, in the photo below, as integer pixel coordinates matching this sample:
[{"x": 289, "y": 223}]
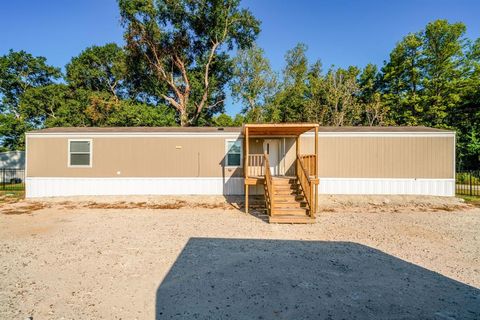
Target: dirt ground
[{"x": 203, "y": 258}]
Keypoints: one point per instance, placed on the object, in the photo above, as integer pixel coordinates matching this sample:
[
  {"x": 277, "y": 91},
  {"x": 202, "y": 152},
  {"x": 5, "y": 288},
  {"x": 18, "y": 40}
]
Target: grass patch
[
  {"x": 472, "y": 200},
  {"x": 13, "y": 186}
]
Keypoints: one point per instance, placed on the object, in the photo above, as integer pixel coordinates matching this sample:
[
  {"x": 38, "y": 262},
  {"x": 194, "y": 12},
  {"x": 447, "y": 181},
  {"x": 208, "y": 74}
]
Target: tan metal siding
[
  {"x": 384, "y": 157},
  {"x": 256, "y": 146},
  {"x": 290, "y": 156},
  {"x": 341, "y": 157},
  {"x": 132, "y": 157}
]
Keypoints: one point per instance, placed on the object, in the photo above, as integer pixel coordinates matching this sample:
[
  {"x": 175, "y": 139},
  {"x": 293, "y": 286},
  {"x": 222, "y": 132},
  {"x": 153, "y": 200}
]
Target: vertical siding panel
[
  {"x": 386, "y": 157},
  {"x": 347, "y": 157}
]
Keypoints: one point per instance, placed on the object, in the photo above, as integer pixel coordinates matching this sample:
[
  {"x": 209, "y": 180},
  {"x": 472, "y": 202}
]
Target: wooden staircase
[{"x": 287, "y": 202}]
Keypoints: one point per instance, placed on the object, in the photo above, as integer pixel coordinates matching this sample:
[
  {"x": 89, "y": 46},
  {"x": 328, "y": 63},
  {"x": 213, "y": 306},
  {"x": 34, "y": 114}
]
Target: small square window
[
  {"x": 234, "y": 153},
  {"x": 80, "y": 153}
]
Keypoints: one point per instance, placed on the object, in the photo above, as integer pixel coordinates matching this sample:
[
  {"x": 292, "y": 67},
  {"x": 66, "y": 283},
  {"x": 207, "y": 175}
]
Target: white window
[
  {"x": 233, "y": 156},
  {"x": 80, "y": 153}
]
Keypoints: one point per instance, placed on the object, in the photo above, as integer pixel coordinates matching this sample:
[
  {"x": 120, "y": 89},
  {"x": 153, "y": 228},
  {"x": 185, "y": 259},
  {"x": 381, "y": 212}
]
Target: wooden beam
[
  {"x": 247, "y": 151},
  {"x": 247, "y": 143},
  {"x": 246, "y": 198},
  {"x": 316, "y": 170},
  {"x": 287, "y": 125},
  {"x": 281, "y": 129},
  {"x": 297, "y": 145},
  {"x": 316, "y": 153}
]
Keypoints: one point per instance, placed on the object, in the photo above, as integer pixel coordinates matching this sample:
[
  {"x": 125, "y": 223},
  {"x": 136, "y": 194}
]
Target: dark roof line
[{"x": 417, "y": 129}]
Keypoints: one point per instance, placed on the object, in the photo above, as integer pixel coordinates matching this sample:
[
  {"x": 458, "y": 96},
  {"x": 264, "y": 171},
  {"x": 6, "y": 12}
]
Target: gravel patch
[{"x": 104, "y": 259}]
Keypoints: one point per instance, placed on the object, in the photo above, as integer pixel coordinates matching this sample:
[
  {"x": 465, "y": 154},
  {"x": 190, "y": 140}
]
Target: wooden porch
[{"x": 289, "y": 198}]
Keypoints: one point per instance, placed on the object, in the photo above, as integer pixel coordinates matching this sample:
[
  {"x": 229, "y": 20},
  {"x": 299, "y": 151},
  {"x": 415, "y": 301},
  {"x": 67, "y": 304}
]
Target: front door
[{"x": 272, "y": 148}]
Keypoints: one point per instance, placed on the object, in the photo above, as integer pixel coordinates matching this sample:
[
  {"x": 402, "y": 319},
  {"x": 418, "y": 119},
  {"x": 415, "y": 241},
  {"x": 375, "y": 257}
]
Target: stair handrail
[
  {"x": 307, "y": 184},
  {"x": 269, "y": 196},
  {"x": 309, "y": 163}
]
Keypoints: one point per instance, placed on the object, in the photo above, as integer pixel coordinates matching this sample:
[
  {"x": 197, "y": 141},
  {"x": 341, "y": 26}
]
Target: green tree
[
  {"x": 99, "y": 68},
  {"x": 369, "y": 82},
  {"x": 253, "y": 83},
  {"x": 466, "y": 118},
  {"x": 185, "y": 44},
  {"x": 444, "y": 57},
  {"x": 53, "y": 105},
  {"x": 402, "y": 82},
  {"x": 341, "y": 97},
  {"x": 105, "y": 110},
  {"x": 315, "y": 95},
  {"x": 423, "y": 80},
  {"x": 239, "y": 120},
  {"x": 223, "y": 120},
  {"x": 61, "y": 105},
  {"x": 291, "y": 101},
  {"x": 374, "y": 110},
  {"x": 19, "y": 71}
]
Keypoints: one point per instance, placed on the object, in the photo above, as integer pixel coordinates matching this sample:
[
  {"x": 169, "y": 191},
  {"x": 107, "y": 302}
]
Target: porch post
[
  {"x": 297, "y": 143},
  {"x": 316, "y": 168},
  {"x": 246, "y": 168},
  {"x": 246, "y": 198}
]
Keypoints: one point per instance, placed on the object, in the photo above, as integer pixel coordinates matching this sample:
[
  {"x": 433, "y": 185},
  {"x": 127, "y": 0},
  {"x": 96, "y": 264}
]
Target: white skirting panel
[
  {"x": 54, "y": 187},
  {"x": 433, "y": 187}
]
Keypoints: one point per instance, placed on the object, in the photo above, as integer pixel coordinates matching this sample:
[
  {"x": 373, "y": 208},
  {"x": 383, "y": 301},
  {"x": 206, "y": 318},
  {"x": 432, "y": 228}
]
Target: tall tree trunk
[{"x": 184, "y": 119}]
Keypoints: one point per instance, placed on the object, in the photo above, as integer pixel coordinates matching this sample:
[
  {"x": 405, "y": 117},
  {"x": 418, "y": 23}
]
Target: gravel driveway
[{"x": 74, "y": 262}]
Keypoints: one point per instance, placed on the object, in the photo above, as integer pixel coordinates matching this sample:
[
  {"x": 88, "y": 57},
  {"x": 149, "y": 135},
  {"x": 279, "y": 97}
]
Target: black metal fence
[
  {"x": 12, "y": 179},
  {"x": 468, "y": 183}
]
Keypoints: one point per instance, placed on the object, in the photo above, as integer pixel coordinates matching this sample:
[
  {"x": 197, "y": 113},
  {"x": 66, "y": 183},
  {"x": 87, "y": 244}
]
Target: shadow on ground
[{"x": 275, "y": 279}]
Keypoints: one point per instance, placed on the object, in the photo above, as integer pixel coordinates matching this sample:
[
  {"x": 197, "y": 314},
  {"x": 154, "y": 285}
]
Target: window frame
[
  {"x": 90, "y": 152},
  {"x": 227, "y": 165}
]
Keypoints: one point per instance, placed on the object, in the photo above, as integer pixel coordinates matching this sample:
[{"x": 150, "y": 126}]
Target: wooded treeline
[{"x": 181, "y": 58}]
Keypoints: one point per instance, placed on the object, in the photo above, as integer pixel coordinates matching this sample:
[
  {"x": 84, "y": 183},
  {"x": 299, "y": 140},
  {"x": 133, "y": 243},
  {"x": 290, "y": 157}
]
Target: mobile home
[{"x": 300, "y": 160}]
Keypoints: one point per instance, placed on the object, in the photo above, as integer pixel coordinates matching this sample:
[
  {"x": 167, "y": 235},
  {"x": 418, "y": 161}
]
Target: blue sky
[{"x": 339, "y": 32}]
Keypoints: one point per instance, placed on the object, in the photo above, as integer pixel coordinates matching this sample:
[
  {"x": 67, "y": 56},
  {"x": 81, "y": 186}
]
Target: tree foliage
[
  {"x": 253, "y": 83},
  {"x": 224, "y": 120},
  {"x": 99, "y": 68},
  {"x": 19, "y": 72},
  {"x": 184, "y": 44}
]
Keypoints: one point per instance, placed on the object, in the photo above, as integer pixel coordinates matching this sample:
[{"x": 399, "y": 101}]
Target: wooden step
[
  {"x": 286, "y": 187},
  {"x": 287, "y": 178},
  {"x": 286, "y": 192},
  {"x": 289, "y": 204},
  {"x": 291, "y": 211},
  {"x": 289, "y": 198},
  {"x": 291, "y": 195},
  {"x": 287, "y": 218},
  {"x": 279, "y": 182}
]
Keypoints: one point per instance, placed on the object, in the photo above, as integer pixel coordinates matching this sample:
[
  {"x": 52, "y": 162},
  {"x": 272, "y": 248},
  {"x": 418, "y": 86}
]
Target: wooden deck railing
[
  {"x": 309, "y": 163},
  {"x": 269, "y": 191},
  {"x": 256, "y": 165},
  {"x": 307, "y": 183}
]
